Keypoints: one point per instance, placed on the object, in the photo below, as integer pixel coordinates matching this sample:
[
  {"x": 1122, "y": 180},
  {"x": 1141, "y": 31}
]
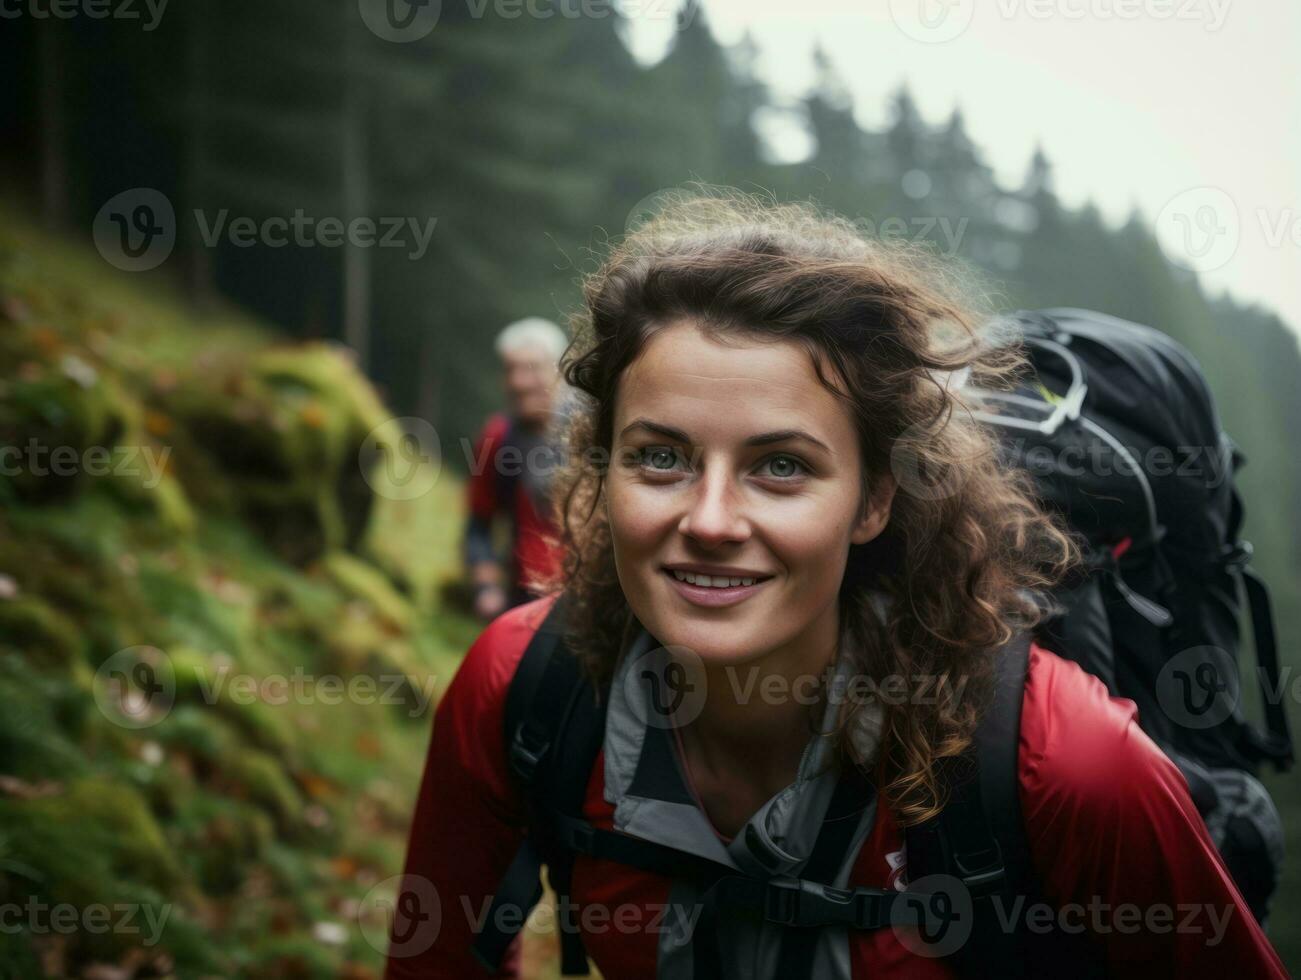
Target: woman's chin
[{"x": 718, "y": 648}]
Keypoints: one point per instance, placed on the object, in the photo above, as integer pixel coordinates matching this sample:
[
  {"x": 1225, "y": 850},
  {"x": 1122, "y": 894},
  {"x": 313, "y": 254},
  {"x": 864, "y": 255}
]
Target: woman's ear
[{"x": 876, "y": 514}]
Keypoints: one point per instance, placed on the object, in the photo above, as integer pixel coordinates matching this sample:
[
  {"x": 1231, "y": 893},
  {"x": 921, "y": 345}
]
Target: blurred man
[{"x": 513, "y": 466}]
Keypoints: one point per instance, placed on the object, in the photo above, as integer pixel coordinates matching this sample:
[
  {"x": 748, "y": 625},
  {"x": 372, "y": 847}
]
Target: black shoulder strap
[
  {"x": 1276, "y": 744},
  {"x": 979, "y": 838},
  {"x": 552, "y": 728},
  {"x": 539, "y": 697}
]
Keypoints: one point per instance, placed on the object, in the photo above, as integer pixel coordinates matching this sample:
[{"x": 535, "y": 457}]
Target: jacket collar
[{"x": 645, "y": 783}]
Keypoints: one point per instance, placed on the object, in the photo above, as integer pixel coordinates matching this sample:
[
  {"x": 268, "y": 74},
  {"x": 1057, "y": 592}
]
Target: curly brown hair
[{"x": 962, "y": 558}]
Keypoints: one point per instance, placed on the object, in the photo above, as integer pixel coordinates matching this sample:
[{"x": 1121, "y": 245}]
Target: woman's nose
[{"x": 715, "y": 511}]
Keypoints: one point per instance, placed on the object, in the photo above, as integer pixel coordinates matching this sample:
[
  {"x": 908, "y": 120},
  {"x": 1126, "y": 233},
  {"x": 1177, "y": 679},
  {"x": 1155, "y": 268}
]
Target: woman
[{"x": 752, "y": 525}]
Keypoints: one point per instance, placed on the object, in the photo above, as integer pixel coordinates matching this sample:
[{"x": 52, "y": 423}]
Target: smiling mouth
[
  {"x": 714, "y": 590},
  {"x": 715, "y": 581}
]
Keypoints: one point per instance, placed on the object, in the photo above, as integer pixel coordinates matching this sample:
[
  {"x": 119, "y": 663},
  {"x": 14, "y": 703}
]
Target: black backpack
[
  {"x": 1158, "y": 596},
  {"x": 1118, "y": 428}
]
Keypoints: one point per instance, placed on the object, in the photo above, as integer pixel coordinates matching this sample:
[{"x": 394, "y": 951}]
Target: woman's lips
[{"x": 711, "y": 596}]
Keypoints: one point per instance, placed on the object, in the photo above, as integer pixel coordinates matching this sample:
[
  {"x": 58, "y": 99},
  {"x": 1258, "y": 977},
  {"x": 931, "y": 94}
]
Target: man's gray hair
[{"x": 534, "y": 332}]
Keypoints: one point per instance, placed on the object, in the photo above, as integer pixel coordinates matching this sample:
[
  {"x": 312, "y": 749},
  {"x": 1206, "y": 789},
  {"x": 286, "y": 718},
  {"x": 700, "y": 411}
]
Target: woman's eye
[
  {"x": 665, "y": 459},
  {"x": 658, "y": 457},
  {"x": 785, "y": 467}
]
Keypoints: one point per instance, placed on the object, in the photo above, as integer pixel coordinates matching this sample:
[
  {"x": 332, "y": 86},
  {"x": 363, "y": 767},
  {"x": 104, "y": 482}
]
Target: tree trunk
[
  {"x": 356, "y": 192},
  {"x": 199, "y": 258},
  {"x": 54, "y": 144},
  {"x": 429, "y": 380}
]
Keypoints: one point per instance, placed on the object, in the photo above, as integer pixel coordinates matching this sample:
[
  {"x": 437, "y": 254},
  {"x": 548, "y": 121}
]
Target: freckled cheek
[
  {"x": 808, "y": 543},
  {"x": 639, "y": 521}
]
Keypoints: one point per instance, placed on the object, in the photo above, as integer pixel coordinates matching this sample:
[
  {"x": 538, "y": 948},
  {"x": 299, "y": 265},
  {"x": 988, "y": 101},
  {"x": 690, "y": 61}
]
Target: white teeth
[{"x": 711, "y": 581}]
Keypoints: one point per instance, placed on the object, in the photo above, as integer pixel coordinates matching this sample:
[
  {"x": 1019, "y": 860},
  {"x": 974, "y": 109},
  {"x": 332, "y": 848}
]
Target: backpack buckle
[
  {"x": 524, "y": 759},
  {"x": 577, "y": 835},
  {"x": 798, "y": 902},
  {"x": 985, "y": 879},
  {"x": 1236, "y": 555},
  {"x": 781, "y": 903}
]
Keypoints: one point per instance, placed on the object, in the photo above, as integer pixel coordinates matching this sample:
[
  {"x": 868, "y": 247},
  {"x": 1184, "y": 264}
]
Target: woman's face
[{"x": 735, "y": 460}]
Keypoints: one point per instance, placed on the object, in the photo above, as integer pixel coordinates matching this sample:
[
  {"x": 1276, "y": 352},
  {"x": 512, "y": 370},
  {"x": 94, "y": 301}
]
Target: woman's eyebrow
[{"x": 763, "y": 439}]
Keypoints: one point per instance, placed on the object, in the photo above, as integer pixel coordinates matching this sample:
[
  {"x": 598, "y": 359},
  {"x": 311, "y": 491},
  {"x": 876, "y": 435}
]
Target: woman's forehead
[{"x": 684, "y": 375}]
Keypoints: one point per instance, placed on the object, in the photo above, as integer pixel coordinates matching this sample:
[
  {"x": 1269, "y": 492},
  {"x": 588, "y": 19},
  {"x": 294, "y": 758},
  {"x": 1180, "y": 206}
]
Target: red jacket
[
  {"x": 1112, "y": 830},
  {"x": 524, "y": 480}
]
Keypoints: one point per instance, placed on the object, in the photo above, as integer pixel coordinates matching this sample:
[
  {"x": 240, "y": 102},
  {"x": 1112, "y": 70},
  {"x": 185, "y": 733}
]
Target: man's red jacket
[
  {"x": 1120, "y": 848},
  {"x": 511, "y": 471}
]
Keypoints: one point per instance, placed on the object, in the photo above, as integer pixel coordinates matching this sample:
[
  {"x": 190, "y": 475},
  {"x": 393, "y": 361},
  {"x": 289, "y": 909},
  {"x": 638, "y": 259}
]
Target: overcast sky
[{"x": 1189, "y": 109}]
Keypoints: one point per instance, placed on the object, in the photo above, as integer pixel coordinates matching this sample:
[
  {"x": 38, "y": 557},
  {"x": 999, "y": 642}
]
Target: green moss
[
  {"x": 264, "y": 725},
  {"x": 367, "y": 583},
  {"x": 159, "y": 494},
  {"x": 201, "y": 735},
  {"x": 258, "y": 777},
  {"x": 194, "y": 616},
  {"x": 30, "y": 625},
  {"x": 57, "y": 413},
  {"x": 223, "y": 840},
  {"x": 39, "y": 721},
  {"x": 83, "y": 840},
  {"x": 259, "y": 546},
  {"x": 286, "y": 427},
  {"x": 292, "y": 956}
]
